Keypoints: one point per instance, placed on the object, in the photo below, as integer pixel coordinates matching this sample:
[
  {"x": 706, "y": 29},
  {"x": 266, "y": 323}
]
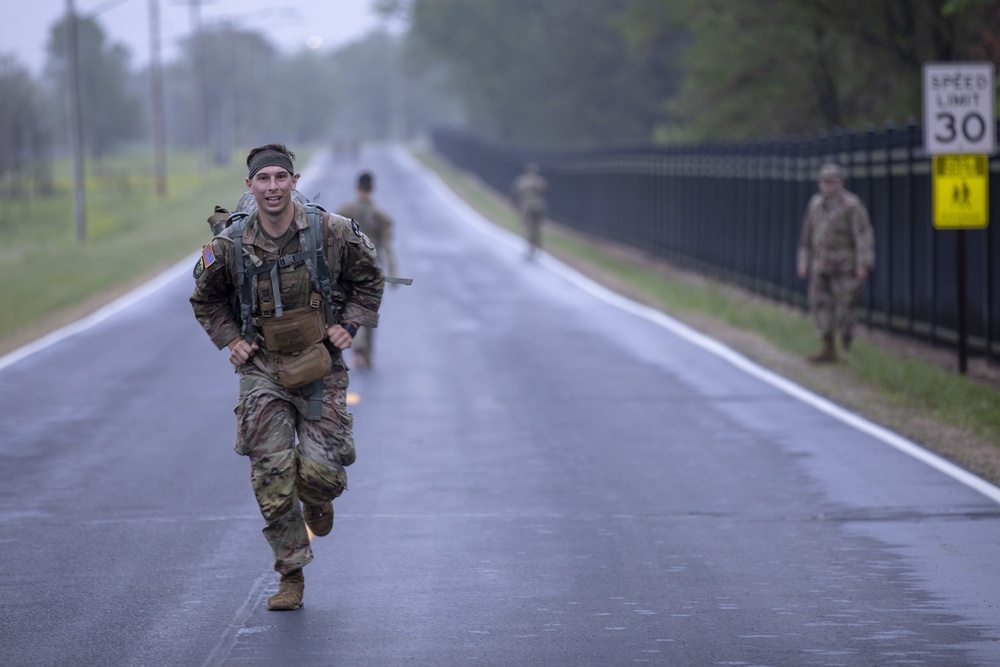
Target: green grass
[
  {"x": 914, "y": 385},
  {"x": 130, "y": 235}
]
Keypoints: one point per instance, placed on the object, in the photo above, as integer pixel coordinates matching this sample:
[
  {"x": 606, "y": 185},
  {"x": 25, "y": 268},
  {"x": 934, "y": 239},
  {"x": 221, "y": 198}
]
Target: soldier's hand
[
  {"x": 339, "y": 336},
  {"x": 240, "y": 351}
]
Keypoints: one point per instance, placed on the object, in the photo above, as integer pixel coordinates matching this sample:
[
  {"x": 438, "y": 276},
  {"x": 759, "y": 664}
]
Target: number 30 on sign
[{"x": 959, "y": 115}]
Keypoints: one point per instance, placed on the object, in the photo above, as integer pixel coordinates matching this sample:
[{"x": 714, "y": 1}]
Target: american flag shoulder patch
[{"x": 207, "y": 256}]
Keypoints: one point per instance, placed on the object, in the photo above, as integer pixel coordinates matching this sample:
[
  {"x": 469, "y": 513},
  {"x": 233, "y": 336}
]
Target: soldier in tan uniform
[
  {"x": 305, "y": 281},
  {"x": 528, "y": 191},
  {"x": 377, "y": 226},
  {"x": 837, "y": 252}
]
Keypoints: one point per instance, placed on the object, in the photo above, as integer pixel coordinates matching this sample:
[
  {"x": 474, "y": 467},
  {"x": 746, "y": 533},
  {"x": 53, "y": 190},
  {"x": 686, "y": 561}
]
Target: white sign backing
[{"x": 959, "y": 108}]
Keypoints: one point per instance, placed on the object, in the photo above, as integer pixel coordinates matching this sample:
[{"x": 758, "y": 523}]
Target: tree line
[
  {"x": 571, "y": 74},
  {"x": 230, "y": 88}
]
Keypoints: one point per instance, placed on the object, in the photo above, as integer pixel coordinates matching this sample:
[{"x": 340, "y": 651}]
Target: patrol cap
[{"x": 831, "y": 172}]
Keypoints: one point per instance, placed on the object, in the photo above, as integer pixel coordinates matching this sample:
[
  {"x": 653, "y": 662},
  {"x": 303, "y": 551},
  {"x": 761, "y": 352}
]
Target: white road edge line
[
  {"x": 186, "y": 265},
  {"x": 715, "y": 347}
]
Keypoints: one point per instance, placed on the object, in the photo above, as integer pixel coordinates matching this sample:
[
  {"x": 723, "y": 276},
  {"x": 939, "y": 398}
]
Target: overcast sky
[{"x": 289, "y": 24}]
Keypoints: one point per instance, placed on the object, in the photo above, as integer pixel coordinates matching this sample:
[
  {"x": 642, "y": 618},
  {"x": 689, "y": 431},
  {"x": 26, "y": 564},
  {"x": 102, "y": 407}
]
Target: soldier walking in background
[
  {"x": 377, "y": 226},
  {"x": 528, "y": 192},
  {"x": 836, "y": 252},
  {"x": 286, "y": 289}
]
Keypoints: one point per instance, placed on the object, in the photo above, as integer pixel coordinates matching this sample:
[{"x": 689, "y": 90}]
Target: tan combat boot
[
  {"x": 290, "y": 591},
  {"x": 827, "y": 355},
  {"x": 319, "y": 518}
]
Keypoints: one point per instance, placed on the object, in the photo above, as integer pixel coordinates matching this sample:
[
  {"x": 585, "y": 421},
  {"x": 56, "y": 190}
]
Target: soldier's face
[
  {"x": 830, "y": 186},
  {"x": 272, "y": 188}
]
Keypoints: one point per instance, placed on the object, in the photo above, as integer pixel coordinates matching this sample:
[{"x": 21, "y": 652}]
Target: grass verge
[
  {"x": 51, "y": 279},
  {"x": 908, "y": 388}
]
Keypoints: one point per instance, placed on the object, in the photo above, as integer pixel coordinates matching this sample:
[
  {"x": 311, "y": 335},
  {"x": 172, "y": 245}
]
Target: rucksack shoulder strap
[
  {"x": 235, "y": 222},
  {"x": 314, "y": 241}
]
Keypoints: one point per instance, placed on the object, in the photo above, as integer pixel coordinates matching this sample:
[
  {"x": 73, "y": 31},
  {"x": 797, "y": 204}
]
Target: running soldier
[{"x": 286, "y": 288}]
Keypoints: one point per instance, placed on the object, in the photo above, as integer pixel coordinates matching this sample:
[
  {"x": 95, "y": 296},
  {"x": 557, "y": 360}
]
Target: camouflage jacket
[
  {"x": 837, "y": 236},
  {"x": 528, "y": 191},
  {"x": 376, "y": 225},
  {"x": 358, "y": 280}
]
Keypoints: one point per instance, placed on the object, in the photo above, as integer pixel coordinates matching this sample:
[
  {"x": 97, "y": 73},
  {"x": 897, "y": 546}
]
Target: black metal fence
[{"x": 735, "y": 211}]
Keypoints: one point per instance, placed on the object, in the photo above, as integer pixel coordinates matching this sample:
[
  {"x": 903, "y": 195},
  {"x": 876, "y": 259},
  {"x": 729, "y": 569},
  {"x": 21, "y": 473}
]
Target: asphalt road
[{"x": 546, "y": 475}]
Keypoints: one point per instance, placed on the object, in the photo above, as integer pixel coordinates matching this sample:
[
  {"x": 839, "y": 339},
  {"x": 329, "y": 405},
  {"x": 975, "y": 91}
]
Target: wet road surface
[{"x": 546, "y": 475}]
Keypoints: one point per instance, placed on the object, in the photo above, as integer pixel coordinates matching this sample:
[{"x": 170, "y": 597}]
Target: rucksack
[{"x": 246, "y": 272}]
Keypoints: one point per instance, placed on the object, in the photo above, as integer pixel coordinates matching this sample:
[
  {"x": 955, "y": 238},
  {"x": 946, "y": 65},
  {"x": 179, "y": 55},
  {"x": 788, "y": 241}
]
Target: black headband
[{"x": 270, "y": 158}]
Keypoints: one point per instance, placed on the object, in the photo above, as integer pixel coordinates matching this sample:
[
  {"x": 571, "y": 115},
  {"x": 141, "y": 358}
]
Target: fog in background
[{"x": 547, "y": 73}]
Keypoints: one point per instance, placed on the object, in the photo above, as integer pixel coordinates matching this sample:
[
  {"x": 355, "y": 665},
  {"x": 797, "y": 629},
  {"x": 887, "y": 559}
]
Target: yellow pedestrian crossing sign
[{"x": 960, "y": 191}]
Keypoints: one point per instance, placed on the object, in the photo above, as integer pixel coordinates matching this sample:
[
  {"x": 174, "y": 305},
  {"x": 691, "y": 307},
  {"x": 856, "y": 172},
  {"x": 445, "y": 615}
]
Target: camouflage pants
[
  {"x": 533, "y": 225},
  {"x": 286, "y": 470},
  {"x": 833, "y": 300}
]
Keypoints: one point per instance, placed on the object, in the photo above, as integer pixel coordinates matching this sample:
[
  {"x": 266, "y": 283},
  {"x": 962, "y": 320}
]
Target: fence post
[{"x": 911, "y": 233}]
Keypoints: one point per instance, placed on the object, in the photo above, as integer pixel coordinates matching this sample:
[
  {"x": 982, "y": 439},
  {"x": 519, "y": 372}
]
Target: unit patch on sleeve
[
  {"x": 206, "y": 260},
  {"x": 361, "y": 234}
]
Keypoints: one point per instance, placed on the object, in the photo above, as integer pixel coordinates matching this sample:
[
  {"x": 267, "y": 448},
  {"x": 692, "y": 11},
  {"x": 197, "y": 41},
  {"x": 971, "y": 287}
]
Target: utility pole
[
  {"x": 156, "y": 80},
  {"x": 75, "y": 123},
  {"x": 198, "y": 81}
]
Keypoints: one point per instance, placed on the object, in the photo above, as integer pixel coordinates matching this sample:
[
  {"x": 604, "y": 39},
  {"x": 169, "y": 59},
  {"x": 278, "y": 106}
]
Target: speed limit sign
[{"x": 959, "y": 113}]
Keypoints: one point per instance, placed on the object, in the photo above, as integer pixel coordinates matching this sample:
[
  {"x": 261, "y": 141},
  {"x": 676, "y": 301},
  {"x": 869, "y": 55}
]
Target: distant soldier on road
[
  {"x": 528, "y": 192},
  {"x": 836, "y": 252},
  {"x": 286, "y": 289},
  {"x": 377, "y": 226}
]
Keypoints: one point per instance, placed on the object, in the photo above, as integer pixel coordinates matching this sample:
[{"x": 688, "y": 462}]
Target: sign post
[{"x": 959, "y": 132}]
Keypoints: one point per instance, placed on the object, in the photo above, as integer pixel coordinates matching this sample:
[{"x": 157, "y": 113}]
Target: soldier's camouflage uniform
[
  {"x": 269, "y": 416},
  {"x": 377, "y": 226},
  {"x": 528, "y": 191},
  {"x": 836, "y": 238}
]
